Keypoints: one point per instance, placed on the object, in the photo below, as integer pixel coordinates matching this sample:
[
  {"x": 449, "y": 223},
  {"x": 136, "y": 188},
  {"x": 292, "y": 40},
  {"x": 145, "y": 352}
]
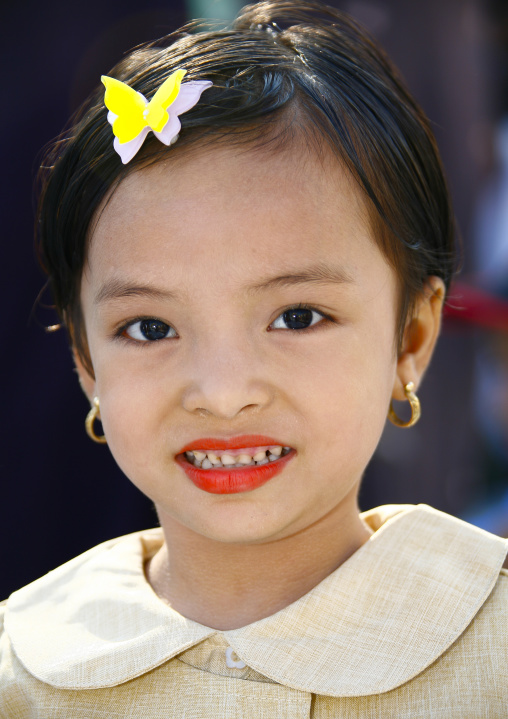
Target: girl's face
[{"x": 236, "y": 292}]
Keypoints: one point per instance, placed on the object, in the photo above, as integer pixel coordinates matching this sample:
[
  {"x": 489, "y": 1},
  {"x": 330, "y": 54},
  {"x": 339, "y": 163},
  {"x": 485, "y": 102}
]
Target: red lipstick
[
  {"x": 242, "y": 442},
  {"x": 225, "y": 480}
]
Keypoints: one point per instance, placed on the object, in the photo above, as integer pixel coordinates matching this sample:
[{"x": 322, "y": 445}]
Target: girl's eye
[
  {"x": 149, "y": 330},
  {"x": 297, "y": 318}
]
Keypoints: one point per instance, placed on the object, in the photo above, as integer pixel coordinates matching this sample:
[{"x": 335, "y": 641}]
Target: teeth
[{"x": 208, "y": 460}]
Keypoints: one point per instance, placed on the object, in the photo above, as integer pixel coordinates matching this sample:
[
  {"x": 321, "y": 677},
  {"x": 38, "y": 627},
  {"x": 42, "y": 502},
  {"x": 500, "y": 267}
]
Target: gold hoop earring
[
  {"x": 95, "y": 413},
  {"x": 416, "y": 409}
]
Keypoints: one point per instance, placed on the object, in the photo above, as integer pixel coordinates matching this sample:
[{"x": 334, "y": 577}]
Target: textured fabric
[{"x": 414, "y": 624}]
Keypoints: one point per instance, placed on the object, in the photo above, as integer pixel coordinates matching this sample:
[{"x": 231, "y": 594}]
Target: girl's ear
[
  {"x": 420, "y": 337},
  {"x": 86, "y": 380}
]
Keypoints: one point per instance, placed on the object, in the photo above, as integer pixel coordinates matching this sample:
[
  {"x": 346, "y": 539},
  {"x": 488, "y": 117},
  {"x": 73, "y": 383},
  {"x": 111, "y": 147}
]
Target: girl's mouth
[
  {"x": 257, "y": 456},
  {"x": 239, "y": 469}
]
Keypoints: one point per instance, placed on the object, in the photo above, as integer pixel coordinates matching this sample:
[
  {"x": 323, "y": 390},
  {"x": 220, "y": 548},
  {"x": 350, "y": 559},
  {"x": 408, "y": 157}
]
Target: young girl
[{"x": 249, "y": 239}]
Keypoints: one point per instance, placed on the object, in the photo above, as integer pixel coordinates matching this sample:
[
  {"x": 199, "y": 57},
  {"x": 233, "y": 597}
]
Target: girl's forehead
[
  {"x": 217, "y": 223},
  {"x": 223, "y": 188}
]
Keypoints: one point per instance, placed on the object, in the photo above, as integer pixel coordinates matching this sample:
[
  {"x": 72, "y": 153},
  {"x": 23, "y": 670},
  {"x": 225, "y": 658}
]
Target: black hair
[{"x": 278, "y": 59}]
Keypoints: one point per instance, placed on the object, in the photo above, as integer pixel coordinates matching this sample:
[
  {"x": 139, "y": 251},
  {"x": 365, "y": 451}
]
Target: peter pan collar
[{"x": 376, "y": 622}]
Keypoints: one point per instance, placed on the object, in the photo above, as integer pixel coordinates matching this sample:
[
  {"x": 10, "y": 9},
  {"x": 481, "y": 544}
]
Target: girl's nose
[{"x": 226, "y": 384}]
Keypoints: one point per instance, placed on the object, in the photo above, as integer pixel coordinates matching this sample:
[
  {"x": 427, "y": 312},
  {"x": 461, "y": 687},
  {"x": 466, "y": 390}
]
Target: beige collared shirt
[{"x": 412, "y": 626}]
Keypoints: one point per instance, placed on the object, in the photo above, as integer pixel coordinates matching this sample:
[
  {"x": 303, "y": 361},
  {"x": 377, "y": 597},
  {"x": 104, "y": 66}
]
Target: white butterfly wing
[
  {"x": 189, "y": 94},
  {"x": 127, "y": 150},
  {"x": 170, "y": 130}
]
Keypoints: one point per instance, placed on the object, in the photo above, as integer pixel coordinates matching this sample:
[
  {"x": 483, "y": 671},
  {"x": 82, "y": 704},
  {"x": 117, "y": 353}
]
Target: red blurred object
[{"x": 467, "y": 303}]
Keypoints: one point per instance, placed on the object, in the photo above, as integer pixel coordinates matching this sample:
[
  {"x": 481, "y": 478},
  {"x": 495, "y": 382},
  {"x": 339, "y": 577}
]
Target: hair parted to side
[{"x": 279, "y": 61}]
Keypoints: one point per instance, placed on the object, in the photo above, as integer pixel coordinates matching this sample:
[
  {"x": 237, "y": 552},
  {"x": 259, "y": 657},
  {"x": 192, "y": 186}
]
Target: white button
[{"x": 232, "y": 660}]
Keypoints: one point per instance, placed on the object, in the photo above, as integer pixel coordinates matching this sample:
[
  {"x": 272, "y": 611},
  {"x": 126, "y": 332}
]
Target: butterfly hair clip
[{"x": 132, "y": 116}]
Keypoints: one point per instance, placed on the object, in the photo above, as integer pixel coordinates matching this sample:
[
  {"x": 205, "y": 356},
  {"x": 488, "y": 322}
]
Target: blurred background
[{"x": 62, "y": 494}]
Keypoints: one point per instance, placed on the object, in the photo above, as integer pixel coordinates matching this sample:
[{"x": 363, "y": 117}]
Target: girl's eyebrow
[
  {"x": 319, "y": 274},
  {"x": 115, "y": 289}
]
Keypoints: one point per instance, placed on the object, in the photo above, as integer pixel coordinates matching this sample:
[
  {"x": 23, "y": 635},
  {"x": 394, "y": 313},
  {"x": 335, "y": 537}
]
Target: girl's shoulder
[
  {"x": 36, "y": 621},
  {"x": 492, "y": 618}
]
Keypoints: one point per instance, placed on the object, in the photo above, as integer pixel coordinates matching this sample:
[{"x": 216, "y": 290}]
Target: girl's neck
[{"x": 227, "y": 586}]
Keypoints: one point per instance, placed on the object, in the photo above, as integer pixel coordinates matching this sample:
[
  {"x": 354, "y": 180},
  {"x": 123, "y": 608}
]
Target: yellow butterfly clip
[{"x": 132, "y": 116}]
